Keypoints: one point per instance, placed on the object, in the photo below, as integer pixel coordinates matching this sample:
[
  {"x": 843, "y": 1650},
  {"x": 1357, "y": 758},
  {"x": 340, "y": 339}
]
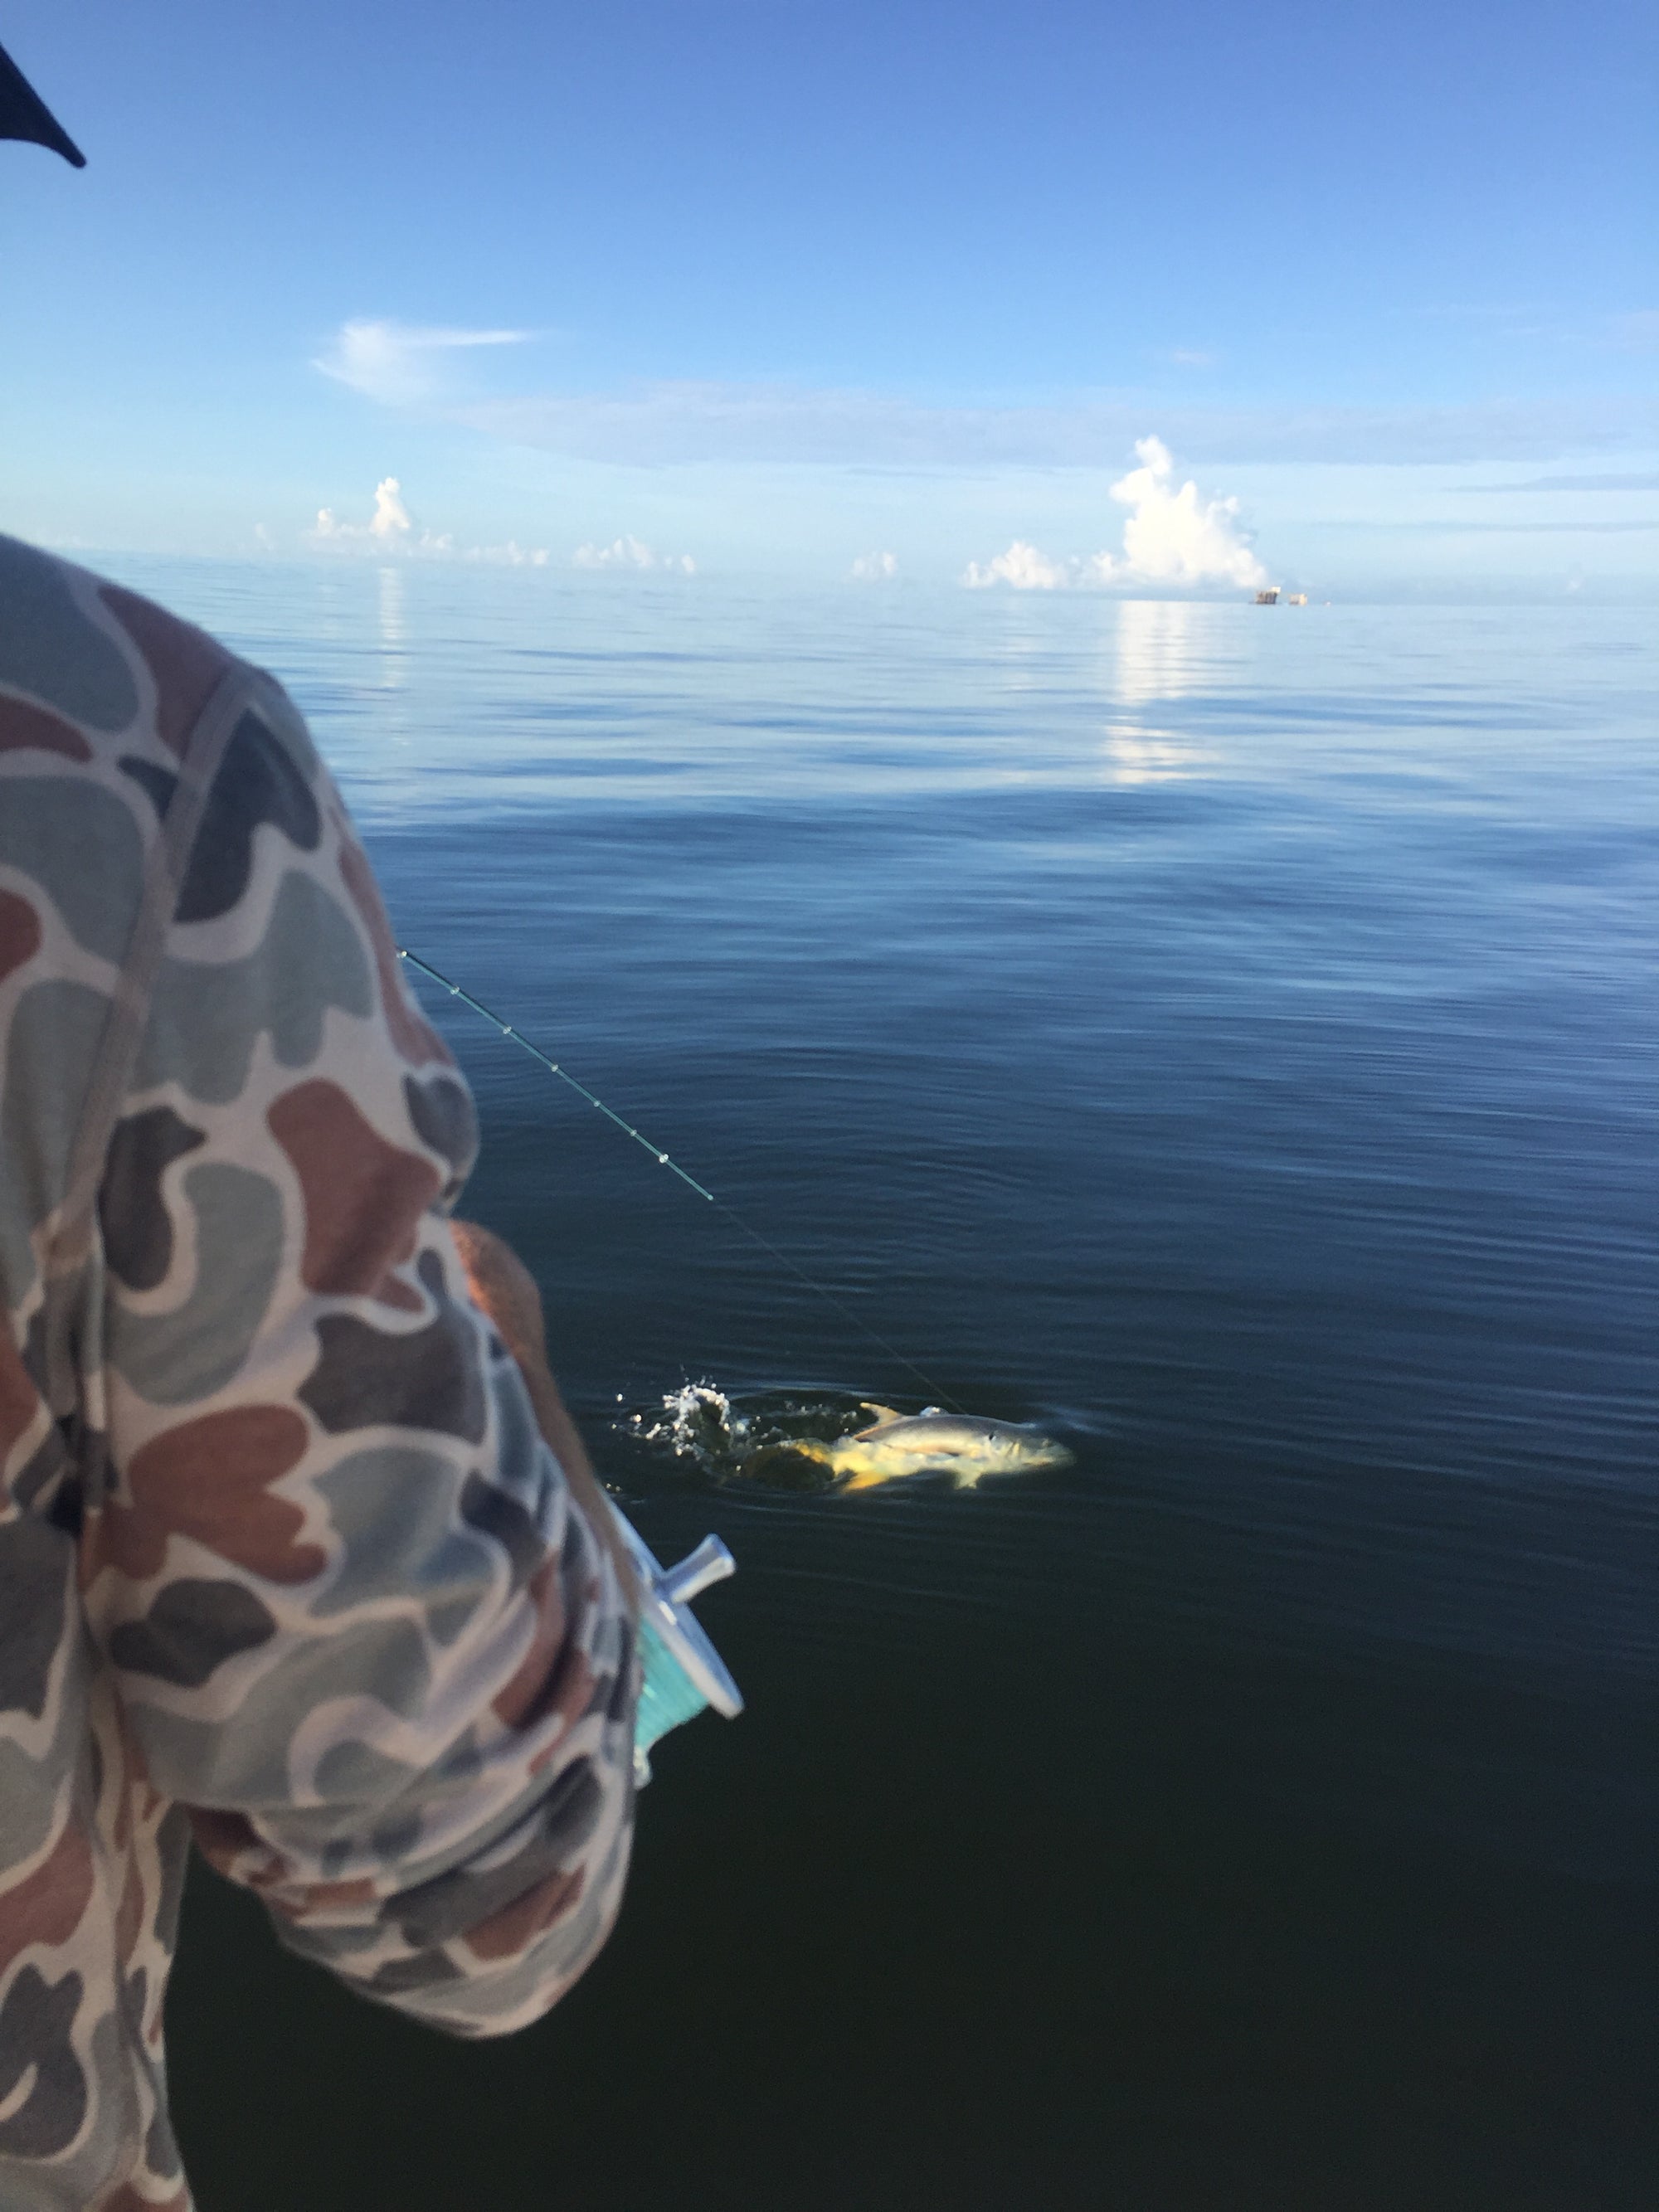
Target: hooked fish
[{"x": 957, "y": 1444}]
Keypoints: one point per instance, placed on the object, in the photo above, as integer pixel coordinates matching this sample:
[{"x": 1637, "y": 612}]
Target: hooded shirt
[{"x": 285, "y": 1565}]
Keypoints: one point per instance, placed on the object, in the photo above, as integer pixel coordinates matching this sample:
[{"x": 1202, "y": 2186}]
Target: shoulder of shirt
[{"x": 98, "y": 675}]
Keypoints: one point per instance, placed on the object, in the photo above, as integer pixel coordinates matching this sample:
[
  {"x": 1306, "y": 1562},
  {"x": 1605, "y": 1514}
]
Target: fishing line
[
  {"x": 554, "y": 1068},
  {"x": 781, "y": 1258}
]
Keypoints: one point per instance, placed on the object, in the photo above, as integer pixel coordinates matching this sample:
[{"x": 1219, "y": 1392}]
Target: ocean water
[{"x": 1226, "y": 1037}]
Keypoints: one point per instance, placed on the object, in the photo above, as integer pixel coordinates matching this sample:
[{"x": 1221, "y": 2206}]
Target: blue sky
[{"x": 776, "y": 286}]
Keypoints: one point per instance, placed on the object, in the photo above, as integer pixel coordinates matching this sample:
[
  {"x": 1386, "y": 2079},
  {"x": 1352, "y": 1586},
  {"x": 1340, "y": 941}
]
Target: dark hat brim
[{"x": 25, "y": 115}]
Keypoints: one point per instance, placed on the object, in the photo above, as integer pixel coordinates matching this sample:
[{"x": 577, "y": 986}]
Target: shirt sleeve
[{"x": 355, "y": 1622}]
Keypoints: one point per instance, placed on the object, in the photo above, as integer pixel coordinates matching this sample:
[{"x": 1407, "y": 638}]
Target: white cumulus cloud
[
  {"x": 392, "y": 530},
  {"x": 1172, "y": 537},
  {"x": 400, "y": 364},
  {"x": 1023, "y": 568},
  {"x": 630, "y": 553},
  {"x": 510, "y": 555},
  {"x": 875, "y": 568}
]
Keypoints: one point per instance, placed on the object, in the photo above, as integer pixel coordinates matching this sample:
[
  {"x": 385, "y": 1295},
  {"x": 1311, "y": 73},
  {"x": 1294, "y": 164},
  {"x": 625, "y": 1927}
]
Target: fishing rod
[
  {"x": 680, "y": 1671},
  {"x": 779, "y": 1258}
]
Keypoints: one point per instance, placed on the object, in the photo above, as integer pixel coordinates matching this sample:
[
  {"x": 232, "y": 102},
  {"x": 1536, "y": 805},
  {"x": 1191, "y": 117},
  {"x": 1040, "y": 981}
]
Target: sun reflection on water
[{"x": 1153, "y": 664}]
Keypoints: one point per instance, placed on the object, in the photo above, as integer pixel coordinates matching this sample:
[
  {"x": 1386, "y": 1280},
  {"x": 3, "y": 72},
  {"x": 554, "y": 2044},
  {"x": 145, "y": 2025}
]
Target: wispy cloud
[
  {"x": 391, "y": 533},
  {"x": 876, "y": 567},
  {"x": 666, "y": 422},
  {"x": 630, "y": 554},
  {"x": 1569, "y": 527},
  {"x": 1626, "y": 330},
  {"x": 409, "y": 366},
  {"x": 401, "y": 364},
  {"x": 1633, "y": 483},
  {"x": 1172, "y": 538},
  {"x": 1637, "y": 331}
]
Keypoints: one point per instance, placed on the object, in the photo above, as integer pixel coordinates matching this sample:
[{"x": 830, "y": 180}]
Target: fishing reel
[{"x": 681, "y": 1670}]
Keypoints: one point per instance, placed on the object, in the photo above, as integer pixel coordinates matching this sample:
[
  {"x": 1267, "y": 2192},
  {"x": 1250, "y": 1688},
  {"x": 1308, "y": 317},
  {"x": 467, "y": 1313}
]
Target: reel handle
[
  {"x": 667, "y": 1592},
  {"x": 698, "y": 1570}
]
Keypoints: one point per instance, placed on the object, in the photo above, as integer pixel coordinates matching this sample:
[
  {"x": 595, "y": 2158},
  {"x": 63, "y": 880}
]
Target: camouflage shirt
[{"x": 284, "y": 1563}]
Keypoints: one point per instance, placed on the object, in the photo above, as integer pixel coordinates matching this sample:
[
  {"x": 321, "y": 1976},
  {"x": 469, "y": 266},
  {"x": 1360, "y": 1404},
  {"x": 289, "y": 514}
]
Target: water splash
[
  {"x": 701, "y": 1430},
  {"x": 696, "y": 1422}
]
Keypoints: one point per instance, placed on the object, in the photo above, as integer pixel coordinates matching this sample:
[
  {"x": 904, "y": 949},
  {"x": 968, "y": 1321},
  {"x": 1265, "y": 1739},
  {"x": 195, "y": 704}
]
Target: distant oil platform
[{"x": 1273, "y": 596}]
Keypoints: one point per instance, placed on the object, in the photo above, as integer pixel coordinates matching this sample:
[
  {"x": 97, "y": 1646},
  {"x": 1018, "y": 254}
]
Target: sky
[{"x": 1066, "y": 296}]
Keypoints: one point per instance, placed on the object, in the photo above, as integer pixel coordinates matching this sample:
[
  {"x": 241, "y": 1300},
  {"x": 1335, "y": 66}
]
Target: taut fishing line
[{"x": 779, "y": 1258}]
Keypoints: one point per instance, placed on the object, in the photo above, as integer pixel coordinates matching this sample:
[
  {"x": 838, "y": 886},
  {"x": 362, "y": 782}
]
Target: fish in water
[{"x": 933, "y": 1442}]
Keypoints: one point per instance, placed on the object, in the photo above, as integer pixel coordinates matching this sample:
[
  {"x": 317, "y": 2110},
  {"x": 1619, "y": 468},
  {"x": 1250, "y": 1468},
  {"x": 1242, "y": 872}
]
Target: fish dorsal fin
[{"x": 881, "y": 1412}]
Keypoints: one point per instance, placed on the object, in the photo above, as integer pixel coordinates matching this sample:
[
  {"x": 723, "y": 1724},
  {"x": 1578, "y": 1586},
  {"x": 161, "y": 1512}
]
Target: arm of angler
[
  {"x": 361, "y": 1624},
  {"x": 451, "y": 1830}
]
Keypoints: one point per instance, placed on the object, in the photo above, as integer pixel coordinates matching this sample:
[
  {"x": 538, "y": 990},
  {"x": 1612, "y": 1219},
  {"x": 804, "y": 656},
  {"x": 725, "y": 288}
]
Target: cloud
[
  {"x": 404, "y": 365},
  {"x": 1634, "y": 482},
  {"x": 1024, "y": 568},
  {"x": 390, "y": 523},
  {"x": 392, "y": 532},
  {"x": 630, "y": 554},
  {"x": 400, "y": 364},
  {"x": 1637, "y": 331},
  {"x": 1631, "y": 329},
  {"x": 1431, "y": 526},
  {"x": 875, "y": 568},
  {"x": 391, "y": 528},
  {"x": 650, "y": 424},
  {"x": 1171, "y": 537},
  {"x": 510, "y": 555}
]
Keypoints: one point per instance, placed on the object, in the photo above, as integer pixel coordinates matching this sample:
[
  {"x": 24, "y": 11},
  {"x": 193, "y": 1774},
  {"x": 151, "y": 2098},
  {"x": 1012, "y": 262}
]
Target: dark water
[{"x": 1227, "y": 1037}]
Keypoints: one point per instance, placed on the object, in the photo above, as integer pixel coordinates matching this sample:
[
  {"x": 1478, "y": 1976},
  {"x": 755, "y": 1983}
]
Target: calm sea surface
[{"x": 1226, "y": 1036}]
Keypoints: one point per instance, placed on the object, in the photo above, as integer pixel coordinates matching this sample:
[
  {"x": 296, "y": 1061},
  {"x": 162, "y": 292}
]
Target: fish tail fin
[
  {"x": 862, "y": 1478},
  {"x": 773, "y": 1462},
  {"x": 799, "y": 1447}
]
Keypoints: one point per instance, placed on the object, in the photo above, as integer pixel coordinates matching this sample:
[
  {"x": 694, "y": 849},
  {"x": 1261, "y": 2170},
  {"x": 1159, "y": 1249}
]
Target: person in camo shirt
[{"x": 286, "y": 1564}]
